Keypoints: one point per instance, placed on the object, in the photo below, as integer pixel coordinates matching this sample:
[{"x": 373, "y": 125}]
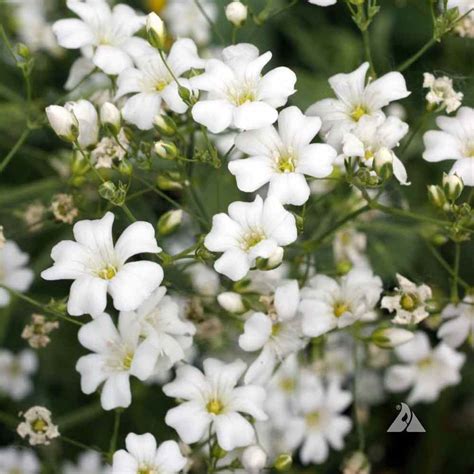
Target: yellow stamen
[
  {"x": 340, "y": 309},
  {"x": 107, "y": 273},
  {"x": 358, "y": 112},
  {"x": 215, "y": 407}
]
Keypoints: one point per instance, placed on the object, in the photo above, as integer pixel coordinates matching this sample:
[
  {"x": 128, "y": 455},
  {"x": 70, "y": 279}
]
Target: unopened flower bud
[
  {"x": 452, "y": 186},
  {"x": 110, "y": 117},
  {"x": 253, "y": 459},
  {"x": 170, "y": 221},
  {"x": 155, "y": 29},
  {"x": 166, "y": 150},
  {"x": 165, "y": 125},
  {"x": 283, "y": 462},
  {"x": 63, "y": 122},
  {"x": 231, "y": 302},
  {"x": 218, "y": 452},
  {"x": 188, "y": 96},
  {"x": 356, "y": 463},
  {"x": 23, "y": 51},
  {"x": 168, "y": 183},
  {"x": 125, "y": 168},
  {"x": 383, "y": 163},
  {"x": 236, "y": 13},
  {"x": 436, "y": 196},
  {"x": 388, "y": 338}
]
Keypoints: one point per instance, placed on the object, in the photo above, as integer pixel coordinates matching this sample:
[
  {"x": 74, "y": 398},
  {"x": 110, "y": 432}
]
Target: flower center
[
  {"x": 408, "y": 301},
  {"x": 39, "y": 425},
  {"x": 358, "y": 112},
  {"x": 287, "y": 385},
  {"x": 215, "y": 407},
  {"x": 368, "y": 155},
  {"x": 127, "y": 360},
  {"x": 145, "y": 470},
  {"x": 107, "y": 273},
  {"x": 340, "y": 308},
  {"x": 276, "y": 329},
  {"x": 425, "y": 363},
  {"x": 286, "y": 163},
  {"x": 160, "y": 85},
  {"x": 252, "y": 238},
  {"x": 312, "y": 419}
]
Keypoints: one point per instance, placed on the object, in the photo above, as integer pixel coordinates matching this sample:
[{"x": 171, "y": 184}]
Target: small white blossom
[
  {"x": 166, "y": 334},
  {"x": 465, "y": 27},
  {"x": 253, "y": 459},
  {"x": 376, "y": 136},
  {"x": 98, "y": 267},
  {"x": 441, "y": 92},
  {"x": 104, "y": 35},
  {"x": 459, "y": 323},
  {"x": 117, "y": 354},
  {"x": 38, "y": 426},
  {"x": 16, "y": 371},
  {"x": 150, "y": 83},
  {"x": 213, "y": 401},
  {"x": 319, "y": 422},
  {"x": 238, "y": 95},
  {"x": 283, "y": 157},
  {"x": 355, "y": 99},
  {"x": 455, "y": 141},
  {"x": 204, "y": 279},
  {"x": 350, "y": 245},
  {"x": 249, "y": 231},
  {"x": 13, "y": 271},
  {"x": 328, "y": 304},
  {"x": 231, "y": 302},
  {"x": 110, "y": 150},
  {"x": 14, "y": 460},
  {"x": 427, "y": 371},
  {"x": 409, "y": 302},
  {"x": 236, "y": 12},
  {"x": 277, "y": 334},
  {"x": 88, "y": 462},
  {"x": 144, "y": 456}
]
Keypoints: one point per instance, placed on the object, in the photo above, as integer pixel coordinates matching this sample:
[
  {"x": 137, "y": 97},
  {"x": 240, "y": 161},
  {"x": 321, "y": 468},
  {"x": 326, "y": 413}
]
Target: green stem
[
  {"x": 211, "y": 23},
  {"x": 78, "y": 444},
  {"x": 428, "y": 45},
  {"x": 454, "y": 288},
  {"x": 357, "y": 420},
  {"x": 128, "y": 212},
  {"x": 15, "y": 149},
  {"x": 113, "y": 439}
]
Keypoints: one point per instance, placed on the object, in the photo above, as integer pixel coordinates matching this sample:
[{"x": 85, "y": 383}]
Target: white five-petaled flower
[
  {"x": 277, "y": 334},
  {"x": 185, "y": 20},
  {"x": 19, "y": 461},
  {"x": 13, "y": 271},
  {"x": 354, "y": 100},
  {"x": 249, "y": 231},
  {"x": 150, "y": 83},
  {"x": 143, "y": 456},
  {"x": 283, "y": 157},
  {"x": 459, "y": 323},
  {"x": 373, "y": 136},
  {"x": 409, "y": 302},
  {"x": 166, "y": 334},
  {"x": 441, "y": 92},
  {"x": 427, "y": 371},
  {"x": 327, "y": 304},
  {"x": 88, "y": 462},
  {"x": 117, "y": 354},
  {"x": 237, "y": 94},
  {"x": 104, "y": 35},
  {"x": 455, "y": 141},
  {"x": 15, "y": 373},
  {"x": 319, "y": 423},
  {"x": 98, "y": 267},
  {"x": 213, "y": 401}
]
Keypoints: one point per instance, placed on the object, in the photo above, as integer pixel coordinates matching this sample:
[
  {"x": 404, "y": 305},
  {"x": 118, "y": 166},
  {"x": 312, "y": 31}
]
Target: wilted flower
[
  {"x": 63, "y": 208},
  {"x": 110, "y": 150},
  {"x": 38, "y": 426},
  {"x": 34, "y": 215},
  {"x": 36, "y": 333}
]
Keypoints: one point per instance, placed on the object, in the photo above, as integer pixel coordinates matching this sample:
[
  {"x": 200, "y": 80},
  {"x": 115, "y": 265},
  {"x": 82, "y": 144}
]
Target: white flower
[
  {"x": 203, "y": 279},
  {"x": 237, "y": 93},
  {"x": 253, "y": 459},
  {"x": 251, "y": 230},
  {"x": 354, "y": 100},
  {"x": 88, "y": 462},
  {"x": 212, "y": 401},
  {"x": 103, "y": 34},
  {"x": 327, "y": 304},
  {"x": 38, "y": 426},
  {"x": 409, "y": 302},
  {"x": 455, "y": 141},
  {"x": 166, "y": 334},
  {"x": 350, "y": 245},
  {"x": 13, "y": 271},
  {"x": 277, "y": 334},
  {"x": 18, "y": 461},
  {"x": 150, "y": 83},
  {"x": 465, "y": 27},
  {"x": 283, "y": 157},
  {"x": 441, "y": 92},
  {"x": 110, "y": 150},
  {"x": 427, "y": 371},
  {"x": 117, "y": 354},
  {"x": 318, "y": 423},
  {"x": 15, "y": 373},
  {"x": 374, "y": 136},
  {"x": 98, "y": 267},
  {"x": 236, "y": 12},
  {"x": 323, "y": 3},
  {"x": 459, "y": 326},
  {"x": 143, "y": 456},
  {"x": 184, "y": 19}
]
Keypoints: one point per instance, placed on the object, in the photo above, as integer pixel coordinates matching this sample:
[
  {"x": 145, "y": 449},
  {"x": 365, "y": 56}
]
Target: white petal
[
  {"x": 224, "y": 234},
  {"x": 261, "y": 369},
  {"x": 111, "y": 60},
  {"x": 233, "y": 431},
  {"x": 455, "y": 331},
  {"x": 233, "y": 263},
  {"x": 297, "y": 129},
  {"x": 253, "y": 115},
  {"x": 92, "y": 373},
  {"x": 190, "y": 421},
  {"x": 276, "y": 86},
  {"x": 124, "y": 463},
  {"x": 96, "y": 234},
  {"x": 116, "y": 392},
  {"x": 141, "y": 109},
  {"x": 73, "y": 33},
  {"x": 317, "y": 319},
  {"x": 97, "y": 334},
  {"x": 349, "y": 88},
  {"x": 399, "y": 171},
  {"x": 169, "y": 457},
  {"x": 128, "y": 82},
  {"x": 134, "y": 283},
  {"x": 257, "y": 330},
  {"x": 251, "y": 173},
  {"x": 138, "y": 237},
  {"x": 287, "y": 298},
  {"x": 464, "y": 168},
  {"x": 183, "y": 56},
  {"x": 216, "y": 115},
  {"x": 386, "y": 89},
  {"x": 171, "y": 96},
  {"x": 315, "y": 449},
  {"x": 441, "y": 146},
  {"x": 262, "y": 142},
  {"x": 88, "y": 295},
  {"x": 289, "y": 188},
  {"x": 316, "y": 160},
  {"x": 141, "y": 446},
  {"x": 278, "y": 223},
  {"x": 189, "y": 383},
  {"x": 399, "y": 378}
]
